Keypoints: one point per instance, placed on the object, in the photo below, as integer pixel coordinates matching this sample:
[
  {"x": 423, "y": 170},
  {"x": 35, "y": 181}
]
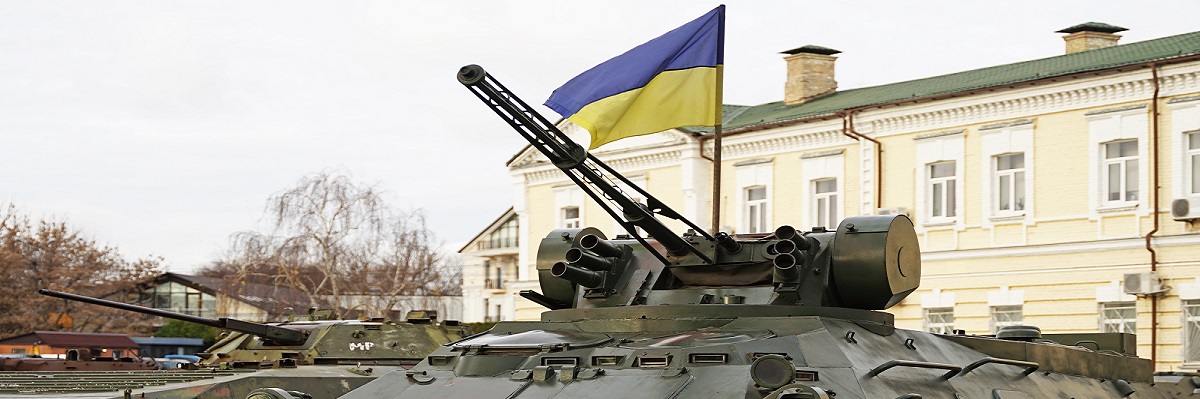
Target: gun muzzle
[
  {"x": 789, "y": 233},
  {"x": 784, "y": 247},
  {"x": 577, "y": 275},
  {"x": 729, "y": 243},
  {"x": 594, "y": 243},
  {"x": 786, "y": 266},
  {"x": 578, "y": 257},
  {"x": 785, "y": 232}
]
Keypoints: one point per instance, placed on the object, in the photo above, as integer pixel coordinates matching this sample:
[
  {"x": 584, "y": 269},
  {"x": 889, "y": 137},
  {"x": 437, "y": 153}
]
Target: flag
[{"x": 671, "y": 81}]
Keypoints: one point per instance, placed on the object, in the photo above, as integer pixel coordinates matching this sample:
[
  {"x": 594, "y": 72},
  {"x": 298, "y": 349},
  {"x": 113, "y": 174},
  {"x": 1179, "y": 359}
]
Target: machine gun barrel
[
  {"x": 278, "y": 334},
  {"x": 584, "y": 169}
]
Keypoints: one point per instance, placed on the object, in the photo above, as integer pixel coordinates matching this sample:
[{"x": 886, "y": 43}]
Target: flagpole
[{"x": 716, "y": 192}]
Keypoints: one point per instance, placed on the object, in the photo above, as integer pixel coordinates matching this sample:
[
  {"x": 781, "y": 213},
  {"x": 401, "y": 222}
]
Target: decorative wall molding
[
  {"x": 643, "y": 161},
  {"x": 1066, "y": 98},
  {"x": 939, "y": 134},
  {"x": 1115, "y": 110},
  {"x": 755, "y": 161},
  {"x": 819, "y": 154},
  {"x": 780, "y": 144},
  {"x": 1001, "y": 125}
]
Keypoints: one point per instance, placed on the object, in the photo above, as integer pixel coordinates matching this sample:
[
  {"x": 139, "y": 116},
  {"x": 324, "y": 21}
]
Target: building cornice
[
  {"x": 548, "y": 173},
  {"x": 1016, "y": 103},
  {"x": 778, "y": 144}
]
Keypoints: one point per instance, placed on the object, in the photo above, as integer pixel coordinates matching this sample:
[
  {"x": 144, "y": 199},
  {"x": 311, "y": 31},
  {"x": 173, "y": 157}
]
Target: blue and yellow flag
[{"x": 671, "y": 81}]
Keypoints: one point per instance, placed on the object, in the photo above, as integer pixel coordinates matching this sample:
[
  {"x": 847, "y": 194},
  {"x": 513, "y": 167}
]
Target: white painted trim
[
  {"x": 1006, "y": 297},
  {"x": 937, "y": 299},
  {"x": 1113, "y": 293},
  {"x": 1062, "y": 248},
  {"x": 1006, "y": 140},
  {"x": 827, "y": 167}
]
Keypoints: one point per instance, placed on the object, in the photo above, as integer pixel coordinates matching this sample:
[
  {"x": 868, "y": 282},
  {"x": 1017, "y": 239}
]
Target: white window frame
[
  {"x": 1106, "y": 126},
  {"x": 1122, "y": 164},
  {"x": 751, "y": 174},
  {"x": 1118, "y": 324},
  {"x": 1006, "y": 139},
  {"x": 821, "y": 166},
  {"x": 825, "y": 205},
  {"x": 1191, "y": 161},
  {"x": 568, "y": 197},
  {"x": 755, "y": 212},
  {"x": 1191, "y": 331},
  {"x": 933, "y": 148},
  {"x": 567, "y": 222},
  {"x": 939, "y": 320},
  {"x": 948, "y": 195},
  {"x": 1006, "y": 315},
  {"x": 1005, "y": 301},
  {"x": 1013, "y": 175}
]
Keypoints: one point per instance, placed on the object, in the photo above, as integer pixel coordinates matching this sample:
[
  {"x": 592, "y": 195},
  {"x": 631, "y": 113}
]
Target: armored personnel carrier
[
  {"x": 789, "y": 314},
  {"x": 326, "y": 358}
]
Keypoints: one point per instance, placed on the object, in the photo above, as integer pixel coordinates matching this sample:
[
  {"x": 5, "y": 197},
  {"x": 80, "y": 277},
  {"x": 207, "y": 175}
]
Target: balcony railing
[{"x": 496, "y": 244}]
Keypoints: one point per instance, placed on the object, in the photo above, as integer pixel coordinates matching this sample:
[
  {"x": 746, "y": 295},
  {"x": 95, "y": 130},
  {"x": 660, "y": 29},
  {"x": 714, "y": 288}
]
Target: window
[
  {"x": 504, "y": 236},
  {"x": 18, "y": 351},
  {"x": 1191, "y": 331},
  {"x": 942, "y": 189},
  {"x": 825, "y": 201},
  {"x": 1009, "y": 184},
  {"x": 487, "y": 275},
  {"x": 179, "y": 298},
  {"x": 499, "y": 278},
  {"x": 1193, "y": 160},
  {"x": 1003, "y": 316},
  {"x": 756, "y": 209},
  {"x": 570, "y": 217},
  {"x": 1006, "y": 171},
  {"x": 1120, "y": 171},
  {"x": 939, "y": 320},
  {"x": 1118, "y": 317},
  {"x": 487, "y": 310}
]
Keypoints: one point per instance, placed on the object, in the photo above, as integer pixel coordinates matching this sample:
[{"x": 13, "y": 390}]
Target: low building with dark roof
[
  {"x": 57, "y": 343},
  {"x": 213, "y": 297}
]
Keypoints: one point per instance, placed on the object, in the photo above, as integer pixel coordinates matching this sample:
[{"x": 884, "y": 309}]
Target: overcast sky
[{"x": 161, "y": 127}]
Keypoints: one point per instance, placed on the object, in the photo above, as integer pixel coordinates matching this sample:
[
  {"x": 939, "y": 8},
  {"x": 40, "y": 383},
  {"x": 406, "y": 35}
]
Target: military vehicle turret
[
  {"x": 326, "y": 358},
  {"x": 789, "y": 314}
]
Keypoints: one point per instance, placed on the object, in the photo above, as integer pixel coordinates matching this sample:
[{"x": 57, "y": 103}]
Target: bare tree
[
  {"x": 49, "y": 254},
  {"x": 340, "y": 244},
  {"x": 409, "y": 263}
]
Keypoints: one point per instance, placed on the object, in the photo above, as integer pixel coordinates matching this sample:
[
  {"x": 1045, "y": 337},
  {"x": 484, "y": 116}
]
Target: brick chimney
[
  {"x": 1091, "y": 36},
  {"x": 809, "y": 74}
]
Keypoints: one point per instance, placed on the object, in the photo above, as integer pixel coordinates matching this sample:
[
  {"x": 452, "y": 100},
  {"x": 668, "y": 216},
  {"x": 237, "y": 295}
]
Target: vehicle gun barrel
[
  {"x": 281, "y": 335},
  {"x": 578, "y": 275},
  {"x": 597, "y": 179}
]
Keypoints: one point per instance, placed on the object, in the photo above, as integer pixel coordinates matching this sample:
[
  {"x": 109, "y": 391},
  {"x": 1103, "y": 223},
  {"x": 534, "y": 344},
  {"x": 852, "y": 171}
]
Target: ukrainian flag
[{"x": 671, "y": 81}]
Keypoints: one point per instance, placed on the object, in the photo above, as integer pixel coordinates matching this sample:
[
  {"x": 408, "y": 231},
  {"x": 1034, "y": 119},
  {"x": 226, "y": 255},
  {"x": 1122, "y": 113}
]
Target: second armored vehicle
[{"x": 326, "y": 358}]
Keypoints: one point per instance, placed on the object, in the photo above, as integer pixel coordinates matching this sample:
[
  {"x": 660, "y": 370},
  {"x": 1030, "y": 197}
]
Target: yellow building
[{"x": 1061, "y": 192}]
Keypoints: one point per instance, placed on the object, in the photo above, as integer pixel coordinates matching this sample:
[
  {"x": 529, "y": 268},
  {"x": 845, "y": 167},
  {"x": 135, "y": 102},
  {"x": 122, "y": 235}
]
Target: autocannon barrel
[
  {"x": 578, "y": 257},
  {"x": 278, "y": 334},
  {"x": 578, "y": 275},
  {"x": 787, "y": 266},
  {"x": 598, "y": 245}
]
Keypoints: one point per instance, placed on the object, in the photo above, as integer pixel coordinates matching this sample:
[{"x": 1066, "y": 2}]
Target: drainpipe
[
  {"x": 848, "y": 131},
  {"x": 1154, "y": 210}
]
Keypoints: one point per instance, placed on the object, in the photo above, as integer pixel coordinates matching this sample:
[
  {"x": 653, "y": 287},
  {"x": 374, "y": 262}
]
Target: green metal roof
[{"x": 1085, "y": 61}]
